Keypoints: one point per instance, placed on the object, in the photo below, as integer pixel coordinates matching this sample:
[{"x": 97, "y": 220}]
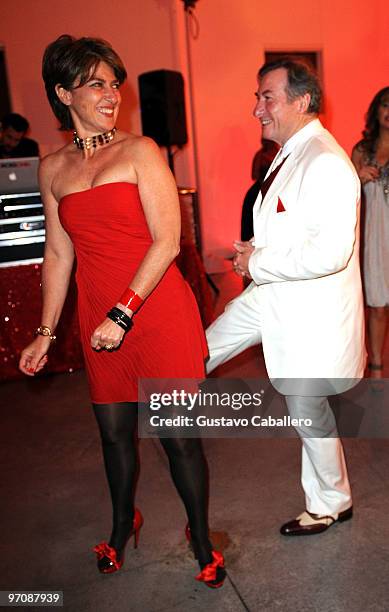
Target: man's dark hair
[
  {"x": 68, "y": 60},
  {"x": 15, "y": 121},
  {"x": 301, "y": 80}
]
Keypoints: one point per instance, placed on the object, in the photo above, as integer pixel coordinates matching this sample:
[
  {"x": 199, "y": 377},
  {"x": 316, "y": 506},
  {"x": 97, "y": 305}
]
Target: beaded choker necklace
[{"x": 93, "y": 141}]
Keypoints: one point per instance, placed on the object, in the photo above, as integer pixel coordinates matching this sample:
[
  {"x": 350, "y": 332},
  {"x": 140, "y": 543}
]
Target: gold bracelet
[{"x": 43, "y": 330}]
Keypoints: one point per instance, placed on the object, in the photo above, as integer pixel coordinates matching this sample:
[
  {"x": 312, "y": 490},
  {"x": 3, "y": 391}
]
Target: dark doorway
[{"x": 5, "y": 101}]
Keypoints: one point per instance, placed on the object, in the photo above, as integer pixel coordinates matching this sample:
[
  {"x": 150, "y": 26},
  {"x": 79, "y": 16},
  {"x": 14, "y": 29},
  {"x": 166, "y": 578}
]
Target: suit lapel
[
  {"x": 290, "y": 163},
  {"x": 280, "y": 178}
]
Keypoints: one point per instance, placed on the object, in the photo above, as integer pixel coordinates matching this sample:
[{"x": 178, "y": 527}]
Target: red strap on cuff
[{"x": 131, "y": 300}]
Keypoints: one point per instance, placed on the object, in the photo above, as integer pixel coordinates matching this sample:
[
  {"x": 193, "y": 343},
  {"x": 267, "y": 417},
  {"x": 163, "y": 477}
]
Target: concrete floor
[{"x": 55, "y": 508}]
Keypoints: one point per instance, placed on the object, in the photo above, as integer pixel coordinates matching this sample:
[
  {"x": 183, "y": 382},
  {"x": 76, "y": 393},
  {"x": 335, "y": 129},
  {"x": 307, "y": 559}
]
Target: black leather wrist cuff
[{"x": 120, "y": 318}]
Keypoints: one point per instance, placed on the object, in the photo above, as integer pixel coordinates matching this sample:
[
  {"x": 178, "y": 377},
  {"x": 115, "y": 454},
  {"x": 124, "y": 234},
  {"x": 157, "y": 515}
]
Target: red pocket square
[{"x": 280, "y": 206}]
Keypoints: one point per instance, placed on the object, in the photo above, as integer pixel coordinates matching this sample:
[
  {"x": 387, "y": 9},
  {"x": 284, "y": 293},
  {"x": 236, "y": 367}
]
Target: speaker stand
[{"x": 170, "y": 157}]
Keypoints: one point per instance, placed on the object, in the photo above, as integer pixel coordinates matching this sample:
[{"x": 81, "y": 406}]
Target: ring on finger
[{"x": 109, "y": 346}]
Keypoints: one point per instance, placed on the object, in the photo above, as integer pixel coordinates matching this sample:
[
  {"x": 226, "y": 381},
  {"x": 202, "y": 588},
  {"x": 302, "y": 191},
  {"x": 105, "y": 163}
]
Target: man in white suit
[{"x": 305, "y": 302}]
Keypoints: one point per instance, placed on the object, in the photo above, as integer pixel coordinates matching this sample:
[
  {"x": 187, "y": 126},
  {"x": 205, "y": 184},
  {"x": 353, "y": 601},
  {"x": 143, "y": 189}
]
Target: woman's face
[
  {"x": 383, "y": 112},
  {"x": 95, "y": 106}
]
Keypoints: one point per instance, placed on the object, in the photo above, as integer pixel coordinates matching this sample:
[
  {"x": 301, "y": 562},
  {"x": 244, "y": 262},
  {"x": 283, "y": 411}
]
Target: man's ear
[
  {"x": 63, "y": 94},
  {"x": 304, "y": 102}
]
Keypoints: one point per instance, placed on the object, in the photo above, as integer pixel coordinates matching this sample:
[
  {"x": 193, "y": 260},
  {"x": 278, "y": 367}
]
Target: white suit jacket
[{"x": 305, "y": 265}]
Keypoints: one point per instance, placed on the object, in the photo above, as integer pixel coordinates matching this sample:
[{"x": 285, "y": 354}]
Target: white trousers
[{"x": 323, "y": 472}]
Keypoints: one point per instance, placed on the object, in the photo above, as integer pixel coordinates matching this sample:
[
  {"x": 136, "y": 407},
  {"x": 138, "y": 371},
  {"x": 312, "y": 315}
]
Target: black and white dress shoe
[{"x": 309, "y": 523}]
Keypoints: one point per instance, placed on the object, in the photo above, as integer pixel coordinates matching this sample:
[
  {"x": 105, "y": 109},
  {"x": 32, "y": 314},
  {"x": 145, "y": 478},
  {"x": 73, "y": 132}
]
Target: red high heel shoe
[
  {"x": 108, "y": 558},
  {"x": 214, "y": 573}
]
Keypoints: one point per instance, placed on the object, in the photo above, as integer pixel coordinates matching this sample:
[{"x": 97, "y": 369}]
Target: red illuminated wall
[
  {"x": 150, "y": 34},
  {"x": 353, "y": 39}
]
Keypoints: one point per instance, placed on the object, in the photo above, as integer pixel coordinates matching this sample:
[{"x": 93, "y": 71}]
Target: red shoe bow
[
  {"x": 208, "y": 574},
  {"x": 104, "y": 550}
]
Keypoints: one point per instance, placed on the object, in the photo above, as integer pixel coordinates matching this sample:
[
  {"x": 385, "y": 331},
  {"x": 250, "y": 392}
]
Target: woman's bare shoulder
[
  {"x": 358, "y": 154},
  {"x": 138, "y": 145},
  {"x": 52, "y": 161},
  {"x": 52, "y": 165}
]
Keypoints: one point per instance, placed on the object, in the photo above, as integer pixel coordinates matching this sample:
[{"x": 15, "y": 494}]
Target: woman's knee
[
  {"x": 181, "y": 447},
  {"x": 117, "y": 422}
]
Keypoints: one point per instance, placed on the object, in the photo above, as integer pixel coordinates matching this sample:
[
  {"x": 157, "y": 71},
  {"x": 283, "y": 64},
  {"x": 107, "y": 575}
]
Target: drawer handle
[{"x": 32, "y": 225}]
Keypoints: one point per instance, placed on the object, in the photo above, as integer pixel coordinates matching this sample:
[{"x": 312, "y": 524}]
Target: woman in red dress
[{"x": 111, "y": 201}]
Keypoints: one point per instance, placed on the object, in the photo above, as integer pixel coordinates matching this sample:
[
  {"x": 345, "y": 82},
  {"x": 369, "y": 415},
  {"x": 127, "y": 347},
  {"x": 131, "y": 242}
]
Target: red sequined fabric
[{"x": 20, "y": 311}]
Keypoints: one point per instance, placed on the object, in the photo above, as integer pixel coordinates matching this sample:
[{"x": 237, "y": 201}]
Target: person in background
[
  {"x": 371, "y": 159},
  {"x": 261, "y": 164},
  {"x": 13, "y": 140}
]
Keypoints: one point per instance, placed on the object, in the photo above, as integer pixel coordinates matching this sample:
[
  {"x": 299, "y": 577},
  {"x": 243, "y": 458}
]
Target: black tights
[{"x": 188, "y": 467}]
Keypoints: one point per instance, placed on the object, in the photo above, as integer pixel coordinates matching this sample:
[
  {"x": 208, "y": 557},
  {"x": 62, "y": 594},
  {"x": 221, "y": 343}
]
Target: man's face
[
  {"x": 10, "y": 138},
  {"x": 279, "y": 117}
]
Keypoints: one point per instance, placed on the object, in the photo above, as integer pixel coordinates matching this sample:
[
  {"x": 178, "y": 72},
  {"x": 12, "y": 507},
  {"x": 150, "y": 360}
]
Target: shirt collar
[{"x": 301, "y": 136}]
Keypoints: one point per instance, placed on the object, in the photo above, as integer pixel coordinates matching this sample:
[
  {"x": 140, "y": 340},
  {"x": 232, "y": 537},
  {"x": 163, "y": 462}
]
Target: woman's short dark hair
[
  {"x": 301, "y": 80},
  {"x": 68, "y": 60},
  {"x": 372, "y": 127}
]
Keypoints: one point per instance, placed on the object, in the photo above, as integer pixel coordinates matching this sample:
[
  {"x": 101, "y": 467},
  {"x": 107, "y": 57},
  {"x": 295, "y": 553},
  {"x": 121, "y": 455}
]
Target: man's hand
[{"x": 242, "y": 256}]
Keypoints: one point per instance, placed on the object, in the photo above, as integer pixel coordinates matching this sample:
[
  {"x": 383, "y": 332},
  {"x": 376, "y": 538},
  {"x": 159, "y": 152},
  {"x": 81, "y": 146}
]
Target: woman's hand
[
  {"x": 107, "y": 335},
  {"x": 368, "y": 173},
  {"x": 34, "y": 356}
]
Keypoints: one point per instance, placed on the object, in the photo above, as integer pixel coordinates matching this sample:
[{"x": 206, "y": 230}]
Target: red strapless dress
[{"x": 110, "y": 235}]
